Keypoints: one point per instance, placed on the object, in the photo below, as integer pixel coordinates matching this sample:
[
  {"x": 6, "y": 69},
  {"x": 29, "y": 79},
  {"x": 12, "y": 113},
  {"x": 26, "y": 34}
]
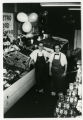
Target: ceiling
[{"x": 58, "y": 18}]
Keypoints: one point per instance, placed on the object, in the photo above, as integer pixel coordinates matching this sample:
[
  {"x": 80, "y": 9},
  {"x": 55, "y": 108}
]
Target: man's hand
[
  {"x": 31, "y": 62},
  {"x": 50, "y": 73},
  {"x": 47, "y": 60},
  {"x": 64, "y": 74}
]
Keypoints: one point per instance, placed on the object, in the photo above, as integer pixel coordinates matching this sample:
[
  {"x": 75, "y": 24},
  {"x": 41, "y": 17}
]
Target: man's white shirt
[
  {"x": 34, "y": 54},
  {"x": 63, "y": 58}
]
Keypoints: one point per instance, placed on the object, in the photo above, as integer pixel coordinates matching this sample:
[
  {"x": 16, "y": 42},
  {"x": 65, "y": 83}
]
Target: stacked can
[
  {"x": 59, "y": 110},
  {"x": 72, "y": 92},
  {"x": 61, "y": 97},
  {"x": 79, "y": 82},
  {"x": 67, "y": 103}
]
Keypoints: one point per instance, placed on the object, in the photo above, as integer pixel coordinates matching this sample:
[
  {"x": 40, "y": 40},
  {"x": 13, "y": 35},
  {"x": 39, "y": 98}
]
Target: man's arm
[
  {"x": 32, "y": 56},
  {"x": 31, "y": 62},
  {"x": 65, "y": 71},
  {"x": 50, "y": 63},
  {"x": 50, "y": 66},
  {"x": 65, "y": 65}
]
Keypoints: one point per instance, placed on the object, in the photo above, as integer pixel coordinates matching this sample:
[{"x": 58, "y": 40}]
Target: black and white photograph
[{"x": 42, "y": 59}]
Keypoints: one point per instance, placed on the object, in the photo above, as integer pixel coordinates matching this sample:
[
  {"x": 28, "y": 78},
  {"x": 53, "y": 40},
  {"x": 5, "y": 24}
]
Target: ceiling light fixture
[
  {"x": 47, "y": 4},
  {"x": 74, "y": 8}
]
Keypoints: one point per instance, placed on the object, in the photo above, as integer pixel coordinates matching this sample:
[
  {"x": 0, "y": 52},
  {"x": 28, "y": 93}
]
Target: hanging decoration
[
  {"x": 29, "y": 23},
  {"x": 26, "y": 27},
  {"x": 22, "y": 17},
  {"x": 33, "y": 17}
]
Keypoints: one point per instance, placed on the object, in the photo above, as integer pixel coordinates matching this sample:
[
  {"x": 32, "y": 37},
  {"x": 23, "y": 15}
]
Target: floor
[{"x": 33, "y": 105}]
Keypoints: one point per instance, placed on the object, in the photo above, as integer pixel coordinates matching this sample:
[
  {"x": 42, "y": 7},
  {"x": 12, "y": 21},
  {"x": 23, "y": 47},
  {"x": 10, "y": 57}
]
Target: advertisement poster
[{"x": 8, "y": 28}]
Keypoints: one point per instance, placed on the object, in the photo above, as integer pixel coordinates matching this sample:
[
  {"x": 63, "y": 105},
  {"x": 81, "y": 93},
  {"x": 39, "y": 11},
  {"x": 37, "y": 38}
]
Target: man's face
[
  {"x": 40, "y": 46},
  {"x": 57, "y": 48}
]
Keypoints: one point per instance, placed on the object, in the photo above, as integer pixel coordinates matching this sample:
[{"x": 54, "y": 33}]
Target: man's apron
[
  {"x": 40, "y": 71},
  {"x": 57, "y": 79}
]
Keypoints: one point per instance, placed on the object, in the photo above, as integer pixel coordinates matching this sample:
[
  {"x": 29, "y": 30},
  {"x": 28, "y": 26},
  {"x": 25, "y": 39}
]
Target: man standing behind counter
[
  {"x": 40, "y": 57},
  {"x": 57, "y": 70}
]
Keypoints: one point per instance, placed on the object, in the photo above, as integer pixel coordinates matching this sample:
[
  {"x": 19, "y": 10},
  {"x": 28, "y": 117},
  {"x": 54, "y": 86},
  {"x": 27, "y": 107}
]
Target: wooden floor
[{"x": 33, "y": 105}]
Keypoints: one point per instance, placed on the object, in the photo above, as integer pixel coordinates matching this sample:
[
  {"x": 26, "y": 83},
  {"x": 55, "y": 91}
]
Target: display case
[
  {"x": 13, "y": 93},
  {"x": 18, "y": 78}
]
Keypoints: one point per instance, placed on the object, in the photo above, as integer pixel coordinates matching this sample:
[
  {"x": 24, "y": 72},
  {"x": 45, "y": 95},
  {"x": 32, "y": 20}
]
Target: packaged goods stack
[{"x": 70, "y": 105}]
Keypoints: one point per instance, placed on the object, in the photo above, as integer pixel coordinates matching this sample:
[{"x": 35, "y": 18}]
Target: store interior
[{"x": 52, "y": 23}]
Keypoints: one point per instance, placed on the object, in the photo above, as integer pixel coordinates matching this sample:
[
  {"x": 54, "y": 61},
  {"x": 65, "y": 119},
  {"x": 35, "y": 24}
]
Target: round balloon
[
  {"x": 26, "y": 27},
  {"x": 22, "y": 17},
  {"x": 33, "y": 17}
]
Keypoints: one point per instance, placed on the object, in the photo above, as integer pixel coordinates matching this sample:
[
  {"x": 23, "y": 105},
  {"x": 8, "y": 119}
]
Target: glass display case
[{"x": 18, "y": 77}]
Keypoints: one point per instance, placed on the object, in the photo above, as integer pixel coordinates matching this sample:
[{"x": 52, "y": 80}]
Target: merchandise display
[
  {"x": 50, "y": 41},
  {"x": 15, "y": 65},
  {"x": 70, "y": 105},
  {"x": 9, "y": 77},
  {"x": 17, "y": 59}
]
